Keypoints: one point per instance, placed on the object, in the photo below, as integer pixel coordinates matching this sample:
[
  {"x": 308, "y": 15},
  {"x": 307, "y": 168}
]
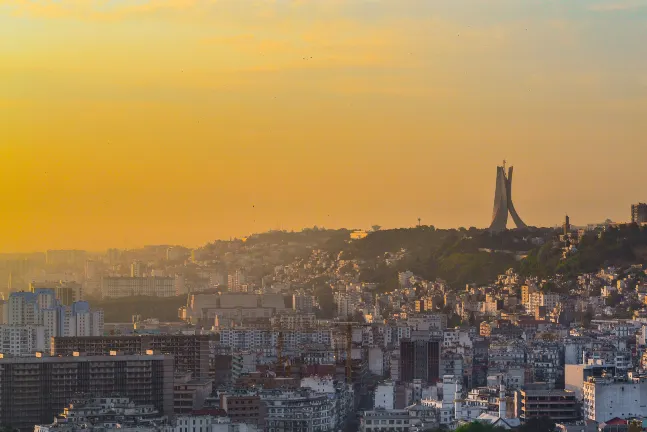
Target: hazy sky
[{"x": 181, "y": 121}]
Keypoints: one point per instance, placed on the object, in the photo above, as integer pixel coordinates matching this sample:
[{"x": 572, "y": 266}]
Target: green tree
[
  {"x": 479, "y": 427},
  {"x": 539, "y": 424}
]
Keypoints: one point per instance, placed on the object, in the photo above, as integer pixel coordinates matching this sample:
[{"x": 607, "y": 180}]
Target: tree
[
  {"x": 538, "y": 424},
  {"x": 477, "y": 426},
  {"x": 376, "y": 228}
]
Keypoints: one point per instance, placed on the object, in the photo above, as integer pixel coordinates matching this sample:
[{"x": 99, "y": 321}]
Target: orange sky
[{"x": 125, "y": 123}]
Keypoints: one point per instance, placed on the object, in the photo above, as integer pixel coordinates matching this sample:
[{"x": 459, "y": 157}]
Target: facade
[
  {"x": 503, "y": 201},
  {"x": 244, "y": 407},
  {"x": 236, "y": 281},
  {"x": 23, "y": 340},
  {"x": 190, "y": 394},
  {"x": 386, "y": 420},
  {"x": 420, "y": 359},
  {"x": 116, "y": 287},
  {"x": 639, "y": 213},
  {"x": 608, "y": 398},
  {"x": 298, "y": 410},
  {"x": 145, "y": 379},
  {"x": 559, "y": 405},
  {"x": 191, "y": 352}
]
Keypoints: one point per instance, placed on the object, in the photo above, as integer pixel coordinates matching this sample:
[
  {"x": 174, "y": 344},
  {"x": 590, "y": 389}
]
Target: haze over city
[{"x": 126, "y": 123}]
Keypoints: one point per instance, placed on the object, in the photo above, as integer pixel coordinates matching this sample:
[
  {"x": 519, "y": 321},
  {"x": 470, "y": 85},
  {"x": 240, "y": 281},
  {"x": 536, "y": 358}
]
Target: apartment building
[
  {"x": 559, "y": 405},
  {"x": 24, "y": 381},
  {"x": 191, "y": 352}
]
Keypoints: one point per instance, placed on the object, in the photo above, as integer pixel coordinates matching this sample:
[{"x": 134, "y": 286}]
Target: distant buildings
[
  {"x": 559, "y": 405},
  {"x": 30, "y": 319},
  {"x": 236, "y": 281},
  {"x": 118, "y": 286},
  {"x": 639, "y": 213}
]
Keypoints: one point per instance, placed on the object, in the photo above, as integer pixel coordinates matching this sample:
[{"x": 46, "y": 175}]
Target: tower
[
  {"x": 503, "y": 201},
  {"x": 567, "y": 225}
]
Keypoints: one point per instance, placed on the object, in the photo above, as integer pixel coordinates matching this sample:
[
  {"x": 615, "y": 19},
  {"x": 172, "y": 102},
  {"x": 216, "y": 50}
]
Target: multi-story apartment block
[
  {"x": 191, "y": 352},
  {"x": 244, "y": 407},
  {"x": 559, "y": 405},
  {"x": 115, "y": 287},
  {"x": 145, "y": 379}
]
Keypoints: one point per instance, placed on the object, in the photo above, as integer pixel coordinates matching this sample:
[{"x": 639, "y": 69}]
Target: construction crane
[{"x": 349, "y": 343}]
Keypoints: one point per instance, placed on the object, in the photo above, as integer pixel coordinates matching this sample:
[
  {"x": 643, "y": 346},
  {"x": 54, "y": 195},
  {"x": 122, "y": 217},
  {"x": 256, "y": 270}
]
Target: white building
[
  {"x": 23, "y": 340},
  {"x": 607, "y": 398},
  {"x": 385, "y": 396}
]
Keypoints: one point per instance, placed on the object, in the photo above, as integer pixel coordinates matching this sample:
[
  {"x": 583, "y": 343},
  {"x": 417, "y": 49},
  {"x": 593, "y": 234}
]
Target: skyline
[{"x": 180, "y": 121}]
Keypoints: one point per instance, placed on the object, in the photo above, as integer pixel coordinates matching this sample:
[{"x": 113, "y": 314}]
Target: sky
[{"x": 124, "y": 123}]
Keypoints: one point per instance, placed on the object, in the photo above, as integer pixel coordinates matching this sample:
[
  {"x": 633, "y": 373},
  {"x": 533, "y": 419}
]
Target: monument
[{"x": 503, "y": 201}]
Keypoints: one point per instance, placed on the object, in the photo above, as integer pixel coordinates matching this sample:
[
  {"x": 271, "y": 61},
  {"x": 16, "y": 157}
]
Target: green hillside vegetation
[{"x": 619, "y": 246}]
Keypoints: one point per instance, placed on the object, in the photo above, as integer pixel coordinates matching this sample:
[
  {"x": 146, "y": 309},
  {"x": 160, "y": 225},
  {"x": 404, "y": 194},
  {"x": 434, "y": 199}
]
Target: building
[
  {"x": 639, "y": 213},
  {"x": 190, "y": 394},
  {"x": 205, "y": 308},
  {"x": 385, "y": 396},
  {"x": 244, "y": 407},
  {"x": 386, "y": 420},
  {"x": 86, "y": 413},
  {"x": 42, "y": 308},
  {"x": 577, "y": 374},
  {"x": 23, "y": 340},
  {"x": 303, "y": 303},
  {"x": 420, "y": 359},
  {"x": 503, "y": 201},
  {"x": 608, "y": 398},
  {"x": 559, "y": 405},
  {"x": 118, "y": 286},
  {"x": 298, "y": 410},
  {"x": 54, "y": 258},
  {"x": 145, "y": 379},
  {"x": 66, "y": 293},
  {"x": 236, "y": 281},
  {"x": 191, "y": 352}
]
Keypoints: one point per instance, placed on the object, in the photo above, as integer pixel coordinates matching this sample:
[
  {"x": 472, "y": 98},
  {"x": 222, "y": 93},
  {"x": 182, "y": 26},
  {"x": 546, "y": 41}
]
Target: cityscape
[
  {"x": 298, "y": 216},
  {"x": 324, "y": 330}
]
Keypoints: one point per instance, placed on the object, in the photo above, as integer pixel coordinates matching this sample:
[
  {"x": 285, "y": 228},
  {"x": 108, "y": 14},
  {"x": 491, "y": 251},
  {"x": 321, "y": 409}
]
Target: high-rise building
[
  {"x": 34, "y": 390},
  {"x": 42, "y": 308},
  {"x": 503, "y": 201},
  {"x": 66, "y": 292},
  {"x": 191, "y": 352},
  {"x": 420, "y": 359},
  {"x": 639, "y": 213}
]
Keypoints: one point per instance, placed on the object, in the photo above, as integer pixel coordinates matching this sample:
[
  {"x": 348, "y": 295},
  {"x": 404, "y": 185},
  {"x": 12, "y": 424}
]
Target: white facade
[
  {"x": 23, "y": 340},
  {"x": 605, "y": 399},
  {"x": 376, "y": 361},
  {"x": 385, "y": 396}
]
